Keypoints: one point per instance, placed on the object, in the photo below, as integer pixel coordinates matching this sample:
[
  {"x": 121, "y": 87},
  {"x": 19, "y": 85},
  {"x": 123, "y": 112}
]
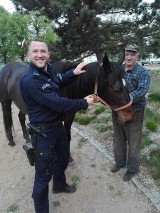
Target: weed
[
  {"x": 116, "y": 192},
  {"x": 56, "y": 203},
  {"x": 12, "y": 208},
  {"x": 103, "y": 167},
  {"x": 81, "y": 142},
  {"x": 75, "y": 179},
  {"x": 111, "y": 188}
]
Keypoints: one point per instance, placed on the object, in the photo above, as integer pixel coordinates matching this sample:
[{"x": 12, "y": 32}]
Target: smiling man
[
  {"x": 127, "y": 138},
  {"x": 40, "y": 91}
]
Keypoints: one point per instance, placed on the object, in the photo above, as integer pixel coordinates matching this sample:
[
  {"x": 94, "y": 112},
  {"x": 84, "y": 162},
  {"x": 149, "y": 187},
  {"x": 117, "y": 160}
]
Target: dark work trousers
[
  {"x": 127, "y": 142},
  {"x": 48, "y": 165}
]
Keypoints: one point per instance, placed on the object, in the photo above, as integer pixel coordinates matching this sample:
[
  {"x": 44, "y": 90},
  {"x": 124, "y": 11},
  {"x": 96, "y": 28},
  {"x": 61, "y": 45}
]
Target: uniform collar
[{"x": 37, "y": 71}]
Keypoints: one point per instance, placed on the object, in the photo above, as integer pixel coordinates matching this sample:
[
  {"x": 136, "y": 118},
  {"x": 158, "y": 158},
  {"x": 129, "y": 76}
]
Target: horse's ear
[
  {"x": 122, "y": 58},
  {"x": 106, "y": 64}
]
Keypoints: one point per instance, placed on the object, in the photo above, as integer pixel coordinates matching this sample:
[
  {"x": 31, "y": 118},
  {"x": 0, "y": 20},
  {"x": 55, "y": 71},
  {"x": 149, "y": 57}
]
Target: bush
[
  {"x": 99, "y": 110},
  {"x": 151, "y": 125},
  {"x": 83, "y": 119}
]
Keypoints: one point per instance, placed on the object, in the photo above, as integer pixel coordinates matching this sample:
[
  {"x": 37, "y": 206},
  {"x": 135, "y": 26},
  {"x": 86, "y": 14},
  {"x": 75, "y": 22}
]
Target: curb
[{"x": 152, "y": 194}]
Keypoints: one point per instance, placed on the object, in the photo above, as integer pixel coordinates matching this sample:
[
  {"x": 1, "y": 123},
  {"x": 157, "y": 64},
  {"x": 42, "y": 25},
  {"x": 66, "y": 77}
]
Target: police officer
[{"x": 40, "y": 91}]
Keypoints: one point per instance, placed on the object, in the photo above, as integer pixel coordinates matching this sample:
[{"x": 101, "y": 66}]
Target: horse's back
[{"x": 10, "y": 77}]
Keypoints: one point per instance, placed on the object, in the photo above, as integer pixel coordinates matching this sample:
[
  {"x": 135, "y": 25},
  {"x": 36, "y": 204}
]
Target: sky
[{"x": 7, "y": 4}]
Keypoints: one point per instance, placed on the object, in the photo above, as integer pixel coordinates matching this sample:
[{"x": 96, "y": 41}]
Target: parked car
[
  {"x": 155, "y": 61},
  {"x": 146, "y": 62}
]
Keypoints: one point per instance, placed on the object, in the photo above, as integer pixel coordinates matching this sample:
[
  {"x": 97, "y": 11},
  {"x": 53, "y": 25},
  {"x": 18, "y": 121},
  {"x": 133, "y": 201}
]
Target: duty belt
[{"x": 47, "y": 124}]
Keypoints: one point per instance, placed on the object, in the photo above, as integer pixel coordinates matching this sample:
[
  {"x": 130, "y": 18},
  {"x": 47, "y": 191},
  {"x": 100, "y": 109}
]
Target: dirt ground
[{"x": 98, "y": 190}]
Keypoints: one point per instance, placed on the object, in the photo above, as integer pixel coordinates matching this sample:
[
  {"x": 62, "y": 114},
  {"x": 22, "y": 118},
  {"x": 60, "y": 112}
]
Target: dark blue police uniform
[{"x": 40, "y": 91}]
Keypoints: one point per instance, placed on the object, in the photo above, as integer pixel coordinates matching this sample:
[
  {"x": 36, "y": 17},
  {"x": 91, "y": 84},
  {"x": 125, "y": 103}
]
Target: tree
[
  {"x": 16, "y": 27},
  {"x": 81, "y": 29}
]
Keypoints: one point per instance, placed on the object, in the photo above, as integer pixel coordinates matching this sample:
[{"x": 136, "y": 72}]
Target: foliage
[
  {"x": 97, "y": 26},
  {"x": 16, "y": 27},
  {"x": 13, "y": 28}
]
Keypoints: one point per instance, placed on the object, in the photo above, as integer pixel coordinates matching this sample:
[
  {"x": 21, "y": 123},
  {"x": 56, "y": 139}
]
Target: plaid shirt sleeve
[{"x": 138, "y": 83}]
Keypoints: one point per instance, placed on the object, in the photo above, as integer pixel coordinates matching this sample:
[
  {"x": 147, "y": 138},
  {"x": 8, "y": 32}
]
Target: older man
[{"x": 127, "y": 138}]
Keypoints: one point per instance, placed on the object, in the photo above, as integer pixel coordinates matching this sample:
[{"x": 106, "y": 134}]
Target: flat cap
[{"x": 132, "y": 48}]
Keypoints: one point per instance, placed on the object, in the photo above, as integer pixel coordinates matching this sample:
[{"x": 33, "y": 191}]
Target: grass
[
  {"x": 81, "y": 142},
  {"x": 151, "y": 125},
  {"x": 154, "y": 97},
  {"x": 99, "y": 109},
  {"x": 116, "y": 192},
  {"x": 75, "y": 179},
  {"x": 12, "y": 208},
  {"x": 56, "y": 203},
  {"x": 152, "y": 163},
  {"x": 146, "y": 141},
  {"x": 103, "y": 167},
  {"x": 84, "y": 119}
]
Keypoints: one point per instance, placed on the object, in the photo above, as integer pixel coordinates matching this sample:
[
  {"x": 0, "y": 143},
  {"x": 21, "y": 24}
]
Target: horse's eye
[{"x": 124, "y": 82}]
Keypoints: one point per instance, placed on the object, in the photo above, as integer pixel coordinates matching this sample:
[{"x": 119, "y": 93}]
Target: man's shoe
[
  {"x": 115, "y": 168},
  {"x": 67, "y": 189},
  {"x": 128, "y": 176}
]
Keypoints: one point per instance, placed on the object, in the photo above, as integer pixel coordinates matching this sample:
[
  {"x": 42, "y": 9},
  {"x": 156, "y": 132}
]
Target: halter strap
[{"x": 99, "y": 99}]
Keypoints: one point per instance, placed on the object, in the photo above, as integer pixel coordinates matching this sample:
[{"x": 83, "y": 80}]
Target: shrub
[
  {"x": 83, "y": 119},
  {"x": 99, "y": 110},
  {"x": 151, "y": 125}
]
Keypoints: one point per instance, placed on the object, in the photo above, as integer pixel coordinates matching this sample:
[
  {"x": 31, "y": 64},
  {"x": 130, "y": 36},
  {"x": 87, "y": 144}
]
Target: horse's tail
[{"x": 7, "y": 118}]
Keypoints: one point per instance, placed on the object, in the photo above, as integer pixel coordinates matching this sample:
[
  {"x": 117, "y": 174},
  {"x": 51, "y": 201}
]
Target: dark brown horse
[{"x": 104, "y": 79}]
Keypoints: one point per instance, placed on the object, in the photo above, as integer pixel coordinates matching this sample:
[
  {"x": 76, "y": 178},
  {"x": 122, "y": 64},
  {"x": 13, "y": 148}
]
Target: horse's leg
[
  {"x": 67, "y": 125},
  {"x": 7, "y": 120},
  {"x": 22, "y": 119}
]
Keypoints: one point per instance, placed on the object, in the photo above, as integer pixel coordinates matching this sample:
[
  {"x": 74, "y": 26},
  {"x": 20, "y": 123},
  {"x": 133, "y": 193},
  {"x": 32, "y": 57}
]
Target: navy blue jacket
[{"x": 40, "y": 91}]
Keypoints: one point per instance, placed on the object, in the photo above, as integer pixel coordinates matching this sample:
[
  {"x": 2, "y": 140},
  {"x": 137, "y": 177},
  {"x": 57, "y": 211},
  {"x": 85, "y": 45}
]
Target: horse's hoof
[
  {"x": 11, "y": 143},
  {"x": 28, "y": 140},
  {"x": 70, "y": 159}
]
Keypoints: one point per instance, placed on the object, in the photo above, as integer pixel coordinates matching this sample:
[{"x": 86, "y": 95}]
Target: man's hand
[
  {"x": 90, "y": 99},
  {"x": 79, "y": 69}
]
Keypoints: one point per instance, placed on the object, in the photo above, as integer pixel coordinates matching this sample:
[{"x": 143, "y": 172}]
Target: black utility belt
[{"x": 47, "y": 124}]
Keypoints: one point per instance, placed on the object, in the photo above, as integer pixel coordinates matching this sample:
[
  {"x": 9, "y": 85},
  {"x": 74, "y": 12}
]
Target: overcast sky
[{"x": 7, "y": 4}]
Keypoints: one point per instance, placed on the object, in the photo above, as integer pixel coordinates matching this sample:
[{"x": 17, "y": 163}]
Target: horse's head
[{"x": 115, "y": 95}]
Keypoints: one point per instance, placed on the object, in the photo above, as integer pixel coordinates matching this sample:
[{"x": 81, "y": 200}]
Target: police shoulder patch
[{"x": 45, "y": 86}]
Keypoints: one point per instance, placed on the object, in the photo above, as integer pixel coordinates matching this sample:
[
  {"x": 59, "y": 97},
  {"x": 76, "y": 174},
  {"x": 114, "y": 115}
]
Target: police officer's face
[
  {"x": 130, "y": 58},
  {"x": 38, "y": 54}
]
